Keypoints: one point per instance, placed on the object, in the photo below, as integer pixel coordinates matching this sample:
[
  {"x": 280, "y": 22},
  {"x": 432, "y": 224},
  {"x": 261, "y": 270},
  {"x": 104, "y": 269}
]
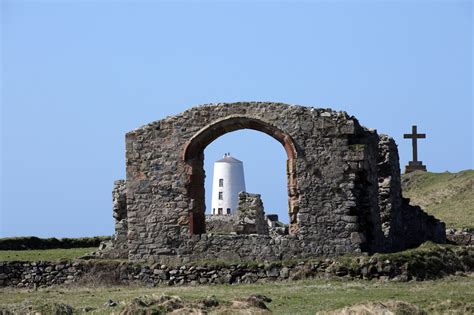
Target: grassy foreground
[
  {"x": 447, "y": 196},
  {"x": 44, "y": 254},
  {"x": 298, "y": 297}
]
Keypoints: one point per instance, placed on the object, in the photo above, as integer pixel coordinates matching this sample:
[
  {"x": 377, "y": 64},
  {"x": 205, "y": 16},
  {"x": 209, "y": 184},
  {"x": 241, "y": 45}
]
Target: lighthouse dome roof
[{"x": 228, "y": 159}]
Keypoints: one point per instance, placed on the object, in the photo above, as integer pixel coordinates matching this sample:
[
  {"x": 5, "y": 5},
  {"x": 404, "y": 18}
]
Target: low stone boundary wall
[
  {"x": 410, "y": 265},
  {"x": 460, "y": 236}
]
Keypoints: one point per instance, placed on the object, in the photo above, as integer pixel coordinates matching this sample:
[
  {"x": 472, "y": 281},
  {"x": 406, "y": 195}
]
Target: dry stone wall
[
  {"x": 343, "y": 186},
  {"x": 426, "y": 264},
  {"x": 463, "y": 236}
]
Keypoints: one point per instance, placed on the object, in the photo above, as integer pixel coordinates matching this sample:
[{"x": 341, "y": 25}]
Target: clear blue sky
[{"x": 77, "y": 75}]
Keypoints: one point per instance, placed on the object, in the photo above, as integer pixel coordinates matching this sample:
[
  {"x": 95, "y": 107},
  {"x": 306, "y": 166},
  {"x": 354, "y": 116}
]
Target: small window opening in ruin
[
  {"x": 221, "y": 182},
  {"x": 221, "y": 195}
]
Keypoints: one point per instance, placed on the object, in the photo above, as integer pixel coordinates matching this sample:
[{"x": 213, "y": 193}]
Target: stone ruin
[
  {"x": 344, "y": 191},
  {"x": 248, "y": 219}
]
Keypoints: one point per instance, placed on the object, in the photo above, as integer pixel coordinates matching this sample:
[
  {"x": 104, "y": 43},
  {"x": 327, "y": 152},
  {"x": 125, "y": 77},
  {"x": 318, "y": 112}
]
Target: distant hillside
[{"x": 447, "y": 196}]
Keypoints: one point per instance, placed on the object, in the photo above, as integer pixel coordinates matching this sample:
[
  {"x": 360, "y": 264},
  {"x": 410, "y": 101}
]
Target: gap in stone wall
[{"x": 264, "y": 160}]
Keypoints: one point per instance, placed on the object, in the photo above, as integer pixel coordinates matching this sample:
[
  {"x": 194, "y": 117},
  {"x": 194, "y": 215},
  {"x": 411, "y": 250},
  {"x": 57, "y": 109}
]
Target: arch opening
[{"x": 193, "y": 156}]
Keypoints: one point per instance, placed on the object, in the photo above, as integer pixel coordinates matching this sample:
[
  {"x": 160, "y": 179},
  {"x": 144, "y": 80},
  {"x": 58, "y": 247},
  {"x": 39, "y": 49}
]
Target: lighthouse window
[
  {"x": 221, "y": 182},
  {"x": 219, "y": 210},
  {"x": 220, "y": 195},
  {"x": 228, "y": 210}
]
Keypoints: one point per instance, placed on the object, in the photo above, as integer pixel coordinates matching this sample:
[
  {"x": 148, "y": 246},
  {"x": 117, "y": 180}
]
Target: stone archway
[
  {"x": 343, "y": 186},
  {"x": 193, "y": 156}
]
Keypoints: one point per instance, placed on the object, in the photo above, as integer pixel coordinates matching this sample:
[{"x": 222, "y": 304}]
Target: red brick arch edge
[{"x": 193, "y": 156}]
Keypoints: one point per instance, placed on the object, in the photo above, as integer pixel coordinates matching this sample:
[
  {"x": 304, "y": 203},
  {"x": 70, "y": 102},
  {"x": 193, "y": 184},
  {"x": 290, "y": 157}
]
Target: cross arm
[{"x": 417, "y": 136}]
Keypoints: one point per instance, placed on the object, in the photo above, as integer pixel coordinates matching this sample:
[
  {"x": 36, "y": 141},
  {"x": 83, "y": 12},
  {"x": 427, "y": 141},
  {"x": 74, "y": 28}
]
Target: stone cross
[{"x": 415, "y": 165}]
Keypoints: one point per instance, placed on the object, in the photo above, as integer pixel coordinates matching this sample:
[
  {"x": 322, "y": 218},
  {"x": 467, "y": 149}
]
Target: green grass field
[
  {"x": 44, "y": 254},
  {"x": 298, "y": 297},
  {"x": 447, "y": 196}
]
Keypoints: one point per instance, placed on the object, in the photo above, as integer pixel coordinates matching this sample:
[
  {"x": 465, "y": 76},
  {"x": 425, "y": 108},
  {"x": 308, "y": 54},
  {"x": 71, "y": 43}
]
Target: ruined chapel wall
[
  {"x": 119, "y": 202},
  {"x": 251, "y": 215},
  {"x": 390, "y": 193},
  {"x": 155, "y": 189},
  {"x": 221, "y": 224},
  {"x": 343, "y": 183},
  {"x": 404, "y": 226},
  {"x": 248, "y": 219},
  {"x": 157, "y": 177},
  {"x": 364, "y": 144},
  {"x": 418, "y": 227}
]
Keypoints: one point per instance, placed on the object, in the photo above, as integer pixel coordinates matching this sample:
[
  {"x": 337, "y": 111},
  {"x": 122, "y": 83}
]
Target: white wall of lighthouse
[{"x": 228, "y": 181}]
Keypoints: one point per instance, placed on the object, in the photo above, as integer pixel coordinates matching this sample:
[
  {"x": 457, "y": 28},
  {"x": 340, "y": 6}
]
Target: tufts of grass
[{"x": 297, "y": 297}]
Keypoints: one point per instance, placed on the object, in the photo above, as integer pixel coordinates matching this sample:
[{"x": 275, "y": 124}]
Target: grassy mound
[{"x": 447, "y": 196}]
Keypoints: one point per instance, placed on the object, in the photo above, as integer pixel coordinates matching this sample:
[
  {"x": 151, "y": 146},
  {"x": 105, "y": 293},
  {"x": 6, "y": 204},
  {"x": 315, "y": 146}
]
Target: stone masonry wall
[
  {"x": 403, "y": 225},
  {"x": 119, "y": 201},
  {"x": 221, "y": 224},
  {"x": 251, "y": 215},
  {"x": 389, "y": 188},
  {"x": 419, "y": 226},
  {"x": 338, "y": 174},
  {"x": 248, "y": 219},
  {"x": 419, "y": 267},
  {"x": 160, "y": 198}
]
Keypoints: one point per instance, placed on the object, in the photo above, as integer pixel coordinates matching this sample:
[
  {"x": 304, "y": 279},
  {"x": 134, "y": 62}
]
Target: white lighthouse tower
[{"x": 227, "y": 183}]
